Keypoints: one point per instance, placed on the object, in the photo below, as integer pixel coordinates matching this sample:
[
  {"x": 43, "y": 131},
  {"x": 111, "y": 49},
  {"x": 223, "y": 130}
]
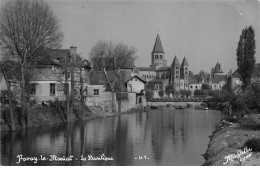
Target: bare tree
[
  {"x": 27, "y": 27},
  {"x": 108, "y": 56}
]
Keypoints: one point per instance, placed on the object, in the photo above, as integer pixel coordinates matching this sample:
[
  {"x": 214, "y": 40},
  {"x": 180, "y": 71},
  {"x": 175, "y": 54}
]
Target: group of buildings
[
  {"x": 48, "y": 79},
  {"x": 178, "y": 74}
]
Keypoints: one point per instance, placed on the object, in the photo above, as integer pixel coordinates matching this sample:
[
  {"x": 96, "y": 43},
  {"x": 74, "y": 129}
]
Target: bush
[
  {"x": 160, "y": 93},
  {"x": 253, "y": 144},
  {"x": 149, "y": 93}
]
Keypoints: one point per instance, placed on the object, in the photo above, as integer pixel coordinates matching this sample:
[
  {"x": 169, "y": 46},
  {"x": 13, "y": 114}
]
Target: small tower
[
  {"x": 158, "y": 55},
  {"x": 184, "y": 70},
  {"x": 175, "y": 73},
  {"x": 217, "y": 69}
]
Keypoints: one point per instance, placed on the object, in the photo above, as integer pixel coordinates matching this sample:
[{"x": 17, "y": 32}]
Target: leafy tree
[
  {"x": 197, "y": 93},
  {"x": 188, "y": 93},
  {"x": 205, "y": 86},
  {"x": 108, "y": 56},
  {"x": 149, "y": 86},
  {"x": 149, "y": 93},
  {"x": 245, "y": 55},
  {"x": 27, "y": 27},
  {"x": 160, "y": 93},
  {"x": 169, "y": 89}
]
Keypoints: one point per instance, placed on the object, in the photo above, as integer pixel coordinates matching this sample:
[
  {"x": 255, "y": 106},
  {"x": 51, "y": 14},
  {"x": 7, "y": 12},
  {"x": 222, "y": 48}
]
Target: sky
[{"x": 205, "y": 32}]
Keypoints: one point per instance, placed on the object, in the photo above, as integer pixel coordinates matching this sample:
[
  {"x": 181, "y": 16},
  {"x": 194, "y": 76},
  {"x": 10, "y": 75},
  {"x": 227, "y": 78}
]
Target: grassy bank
[
  {"x": 43, "y": 116},
  {"x": 231, "y": 137}
]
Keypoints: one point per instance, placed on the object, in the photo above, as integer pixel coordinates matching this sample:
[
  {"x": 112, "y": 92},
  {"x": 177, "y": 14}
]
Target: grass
[{"x": 253, "y": 144}]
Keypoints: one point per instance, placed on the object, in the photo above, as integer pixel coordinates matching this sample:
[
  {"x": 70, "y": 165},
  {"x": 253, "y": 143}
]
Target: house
[
  {"x": 137, "y": 85},
  {"x": 234, "y": 79},
  {"x": 48, "y": 80}
]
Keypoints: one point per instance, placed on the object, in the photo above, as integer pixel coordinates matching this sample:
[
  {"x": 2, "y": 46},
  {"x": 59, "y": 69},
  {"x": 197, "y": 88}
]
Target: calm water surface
[{"x": 166, "y": 136}]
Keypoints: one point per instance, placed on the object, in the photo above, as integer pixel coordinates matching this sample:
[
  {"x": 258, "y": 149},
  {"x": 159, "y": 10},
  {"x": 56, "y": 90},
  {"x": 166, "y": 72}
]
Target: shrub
[
  {"x": 160, "y": 93},
  {"x": 149, "y": 93},
  {"x": 253, "y": 144}
]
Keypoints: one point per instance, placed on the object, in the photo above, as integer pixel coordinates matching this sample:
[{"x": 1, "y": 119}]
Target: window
[
  {"x": 186, "y": 72},
  {"x": 177, "y": 72},
  {"x": 186, "y": 68},
  {"x": 160, "y": 56},
  {"x": 177, "y": 76},
  {"x": 177, "y": 67},
  {"x": 52, "y": 88},
  {"x": 196, "y": 87},
  {"x": 32, "y": 88},
  {"x": 191, "y": 87},
  {"x": 96, "y": 92},
  {"x": 68, "y": 74}
]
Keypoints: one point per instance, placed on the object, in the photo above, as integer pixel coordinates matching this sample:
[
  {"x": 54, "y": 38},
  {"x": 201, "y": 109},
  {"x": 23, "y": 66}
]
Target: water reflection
[{"x": 166, "y": 136}]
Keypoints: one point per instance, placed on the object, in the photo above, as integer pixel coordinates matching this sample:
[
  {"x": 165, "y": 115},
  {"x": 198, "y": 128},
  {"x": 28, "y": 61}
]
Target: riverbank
[
  {"x": 50, "y": 116},
  {"x": 229, "y": 139}
]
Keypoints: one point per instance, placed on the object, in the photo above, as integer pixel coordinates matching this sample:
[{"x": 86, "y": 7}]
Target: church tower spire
[{"x": 158, "y": 55}]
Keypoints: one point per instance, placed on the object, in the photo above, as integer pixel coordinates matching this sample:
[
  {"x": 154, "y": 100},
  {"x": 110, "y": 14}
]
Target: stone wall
[{"x": 105, "y": 98}]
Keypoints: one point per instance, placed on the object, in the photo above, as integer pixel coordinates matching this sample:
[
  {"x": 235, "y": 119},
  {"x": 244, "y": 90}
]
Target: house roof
[
  {"x": 135, "y": 76},
  {"x": 194, "y": 79},
  {"x": 218, "y": 78},
  {"x": 157, "y": 48},
  {"x": 59, "y": 57},
  {"x": 158, "y": 80},
  {"x": 163, "y": 68},
  {"x": 146, "y": 68},
  {"x": 98, "y": 78},
  {"x": 256, "y": 72},
  {"x": 184, "y": 62},
  {"x": 175, "y": 61}
]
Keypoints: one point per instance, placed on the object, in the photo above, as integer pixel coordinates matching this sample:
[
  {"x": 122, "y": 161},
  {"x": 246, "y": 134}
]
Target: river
[{"x": 164, "y": 136}]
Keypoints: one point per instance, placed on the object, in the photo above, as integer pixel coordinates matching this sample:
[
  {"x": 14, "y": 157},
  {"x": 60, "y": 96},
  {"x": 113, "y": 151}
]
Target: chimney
[{"x": 73, "y": 54}]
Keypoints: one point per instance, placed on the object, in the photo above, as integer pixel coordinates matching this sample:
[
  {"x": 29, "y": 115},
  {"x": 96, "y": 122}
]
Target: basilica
[{"x": 178, "y": 73}]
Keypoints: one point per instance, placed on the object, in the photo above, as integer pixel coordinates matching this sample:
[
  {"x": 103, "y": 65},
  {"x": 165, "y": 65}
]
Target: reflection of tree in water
[
  {"x": 124, "y": 150},
  {"x": 158, "y": 136}
]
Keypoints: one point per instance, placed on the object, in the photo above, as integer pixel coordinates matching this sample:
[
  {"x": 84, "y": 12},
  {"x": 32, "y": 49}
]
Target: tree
[
  {"x": 169, "y": 89},
  {"x": 205, "y": 86},
  {"x": 188, "y": 93},
  {"x": 197, "y": 93},
  {"x": 108, "y": 56},
  {"x": 160, "y": 93},
  {"x": 26, "y": 28},
  {"x": 245, "y": 55},
  {"x": 8, "y": 68},
  {"x": 149, "y": 93}
]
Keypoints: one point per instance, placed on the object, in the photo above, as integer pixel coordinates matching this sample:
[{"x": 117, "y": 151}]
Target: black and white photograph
[{"x": 129, "y": 83}]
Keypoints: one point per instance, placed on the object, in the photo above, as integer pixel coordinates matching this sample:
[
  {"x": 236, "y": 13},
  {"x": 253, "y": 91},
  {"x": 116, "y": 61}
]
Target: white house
[
  {"x": 135, "y": 84},
  {"x": 48, "y": 81}
]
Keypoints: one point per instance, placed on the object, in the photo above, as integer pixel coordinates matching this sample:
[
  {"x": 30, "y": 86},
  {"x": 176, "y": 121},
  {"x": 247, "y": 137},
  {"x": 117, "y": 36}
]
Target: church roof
[
  {"x": 157, "y": 48},
  {"x": 175, "y": 61},
  {"x": 146, "y": 69},
  {"x": 184, "y": 62},
  {"x": 166, "y": 68}
]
